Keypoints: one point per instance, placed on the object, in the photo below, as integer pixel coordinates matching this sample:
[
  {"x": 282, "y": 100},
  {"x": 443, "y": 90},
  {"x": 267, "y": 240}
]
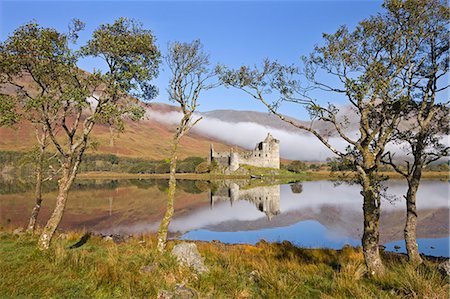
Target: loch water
[{"x": 315, "y": 214}]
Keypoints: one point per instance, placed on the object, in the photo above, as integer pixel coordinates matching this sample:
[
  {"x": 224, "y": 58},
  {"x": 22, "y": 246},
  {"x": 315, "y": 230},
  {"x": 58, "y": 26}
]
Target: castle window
[{"x": 260, "y": 155}]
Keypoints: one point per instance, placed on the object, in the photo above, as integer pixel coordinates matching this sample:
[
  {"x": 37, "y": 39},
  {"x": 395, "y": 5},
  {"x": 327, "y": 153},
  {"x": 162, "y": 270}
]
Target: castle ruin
[{"x": 265, "y": 154}]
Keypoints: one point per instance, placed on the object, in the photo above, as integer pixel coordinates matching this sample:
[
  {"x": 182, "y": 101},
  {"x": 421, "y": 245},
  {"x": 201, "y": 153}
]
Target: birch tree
[
  {"x": 367, "y": 66},
  {"x": 72, "y": 101},
  {"x": 18, "y": 105},
  {"x": 427, "y": 119},
  {"x": 191, "y": 75}
]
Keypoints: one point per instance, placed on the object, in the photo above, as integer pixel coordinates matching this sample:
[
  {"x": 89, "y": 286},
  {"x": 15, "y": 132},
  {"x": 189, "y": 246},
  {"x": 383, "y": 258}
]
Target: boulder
[
  {"x": 181, "y": 292},
  {"x": 187, "y": 254}
]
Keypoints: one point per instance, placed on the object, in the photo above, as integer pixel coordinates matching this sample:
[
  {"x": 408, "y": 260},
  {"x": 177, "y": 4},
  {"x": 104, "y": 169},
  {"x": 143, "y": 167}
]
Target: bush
[
  {"x": 162, "y": 167},
  {"x": 338, "y": 164},
  {"x": 189, "y": 165},
  {"x": 296, "y": 166},
  {"x": 202, "y": 167}
]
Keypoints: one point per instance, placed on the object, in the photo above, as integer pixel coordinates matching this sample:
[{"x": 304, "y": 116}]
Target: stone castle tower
[{"x": 265, "y": 154}]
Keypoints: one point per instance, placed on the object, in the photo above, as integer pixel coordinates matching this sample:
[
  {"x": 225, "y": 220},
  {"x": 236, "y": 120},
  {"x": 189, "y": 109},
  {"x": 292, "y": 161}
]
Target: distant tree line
[
  {"x": 19, "y": 164},
  {"x": 20, "y": 185}
]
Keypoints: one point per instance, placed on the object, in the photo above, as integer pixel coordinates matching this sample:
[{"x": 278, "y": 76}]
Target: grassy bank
[
  {"x": 309, "y": 175},
  {"x": 188, "y": 176},
  {"x": 101, "y": 268},
  {"x": 322, "y": 174}
]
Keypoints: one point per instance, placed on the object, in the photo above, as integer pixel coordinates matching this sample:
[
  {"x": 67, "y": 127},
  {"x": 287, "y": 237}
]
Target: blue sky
[{"x": 233, "y": 32}]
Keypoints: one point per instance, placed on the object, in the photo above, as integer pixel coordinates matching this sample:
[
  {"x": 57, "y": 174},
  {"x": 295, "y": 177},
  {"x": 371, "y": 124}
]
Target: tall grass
[{"x": 103, "y": 269}]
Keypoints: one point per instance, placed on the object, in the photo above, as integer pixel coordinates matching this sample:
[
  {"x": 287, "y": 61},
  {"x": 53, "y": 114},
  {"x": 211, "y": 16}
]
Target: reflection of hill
[
  {"x": 432, "y": 223},
  {"x": 102, "y": 210}
]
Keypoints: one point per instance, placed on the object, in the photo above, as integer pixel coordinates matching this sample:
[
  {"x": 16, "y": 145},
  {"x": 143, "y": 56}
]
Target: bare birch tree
[
  {"x": 427, "y": 119},
  {"x": 191, "y": 75}
]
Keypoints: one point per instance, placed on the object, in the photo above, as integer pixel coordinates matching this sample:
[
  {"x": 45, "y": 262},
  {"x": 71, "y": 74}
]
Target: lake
[{"x": 309, "y": 214}]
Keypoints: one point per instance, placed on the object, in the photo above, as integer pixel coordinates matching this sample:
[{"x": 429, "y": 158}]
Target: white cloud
[
  {"x": 294, "y": 146},
  {"x": 246, "y": 134}
]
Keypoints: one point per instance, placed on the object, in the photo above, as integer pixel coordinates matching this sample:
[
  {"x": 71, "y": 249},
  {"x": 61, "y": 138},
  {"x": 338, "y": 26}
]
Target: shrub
[
  {"x": 202, "y": 167},
  {"x": 296, "y": 166}
]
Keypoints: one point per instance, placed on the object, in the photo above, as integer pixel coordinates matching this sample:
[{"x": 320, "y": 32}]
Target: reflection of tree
[
  {"x": 21, "y": 185},
  {"x": 297, "y": 187},
  {"x": 265, "y": 198}
]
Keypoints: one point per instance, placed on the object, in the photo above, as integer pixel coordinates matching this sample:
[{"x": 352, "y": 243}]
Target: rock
[
  {"x": 184, "y": 292},
  {"x": 254, "y": 276},
  {"x": 163, "y": 294},
  {"x": 396, "y": 247},
  {"x": 115, "y": 238},
  {"x": 107, "y": 238},
  {"x": 148, "y": 268},
  {"x": 444, "y": 268},
  {"x": 187, "y": 254},
  {"x": 181, "y": 292},
  {"x": 18, "y": 231},
  {"x": 119, "y": 238},
  {"x": 62, "y": 236}
]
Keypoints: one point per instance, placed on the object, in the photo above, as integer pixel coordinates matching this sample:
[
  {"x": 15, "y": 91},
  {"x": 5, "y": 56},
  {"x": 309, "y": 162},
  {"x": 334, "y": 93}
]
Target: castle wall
[{"x": 266, "y": 154}]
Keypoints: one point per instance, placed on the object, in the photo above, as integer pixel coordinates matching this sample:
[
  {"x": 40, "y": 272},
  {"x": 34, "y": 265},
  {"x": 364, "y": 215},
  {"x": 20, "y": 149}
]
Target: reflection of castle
[
  {"x": 265, "y": 154},
  {"x": 265, "y": 198}
]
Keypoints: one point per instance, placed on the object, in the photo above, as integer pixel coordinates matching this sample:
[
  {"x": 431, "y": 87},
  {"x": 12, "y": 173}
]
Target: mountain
[
  {"x": 265, "y": 119},
  {"x": 151, "y": 138},
  {"x": 145, "y": 139}
]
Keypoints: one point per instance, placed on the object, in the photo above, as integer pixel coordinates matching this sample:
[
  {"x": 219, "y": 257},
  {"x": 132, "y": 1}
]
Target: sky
[{"x": 232, "y": 32}]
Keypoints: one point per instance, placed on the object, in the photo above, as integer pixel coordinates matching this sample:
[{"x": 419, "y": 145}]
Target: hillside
[
  {"x": 145, "y": 139},
  {"x": 151, "y": 138}
]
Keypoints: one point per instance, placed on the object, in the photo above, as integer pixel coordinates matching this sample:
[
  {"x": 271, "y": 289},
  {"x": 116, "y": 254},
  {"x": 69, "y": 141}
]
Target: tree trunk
[
  {"x": 371, "y": 211},
  {"x": 164, "y": 226},
  {"x": 52, "y": 224},
  {"x": 411, "y": 222},
  {"x": 37, "y": 193}
]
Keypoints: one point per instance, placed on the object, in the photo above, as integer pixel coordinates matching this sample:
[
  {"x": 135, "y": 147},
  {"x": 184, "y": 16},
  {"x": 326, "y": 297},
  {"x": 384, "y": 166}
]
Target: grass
[
  {"x": 263, "y": 172},
  {"x": 260, "y": 172},
  {"x": 104, "y": 269}
]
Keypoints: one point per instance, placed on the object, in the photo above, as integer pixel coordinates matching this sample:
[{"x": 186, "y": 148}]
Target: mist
[{"x": 293, "y": 146}]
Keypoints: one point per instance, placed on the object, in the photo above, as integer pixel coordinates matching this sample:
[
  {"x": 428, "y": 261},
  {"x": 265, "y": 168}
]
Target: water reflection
[
  {"x": 265, "y": 198},
  {"x": 311, "y": 214}
]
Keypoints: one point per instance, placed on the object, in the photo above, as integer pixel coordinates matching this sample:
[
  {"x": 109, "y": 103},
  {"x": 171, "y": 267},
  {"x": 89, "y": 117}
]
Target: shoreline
[
  {"x": 78, "y": 235},
  {"x": 312, "y": 175}
]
